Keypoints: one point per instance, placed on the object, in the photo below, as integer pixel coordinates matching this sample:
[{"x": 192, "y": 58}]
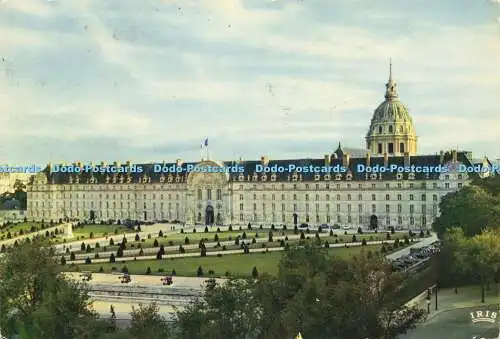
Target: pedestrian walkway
[{"x": 452, "y": 317}]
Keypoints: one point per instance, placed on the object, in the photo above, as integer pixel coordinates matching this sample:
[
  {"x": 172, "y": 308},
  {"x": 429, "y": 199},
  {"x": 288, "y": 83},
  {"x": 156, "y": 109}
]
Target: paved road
[
  {"x": 142, "y": 280},
  {"x": 424, "y": 242}
]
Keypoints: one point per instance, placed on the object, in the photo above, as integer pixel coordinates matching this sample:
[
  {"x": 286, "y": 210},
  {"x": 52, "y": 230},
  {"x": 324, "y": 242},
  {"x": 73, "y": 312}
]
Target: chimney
[
  {"x": 178, "y": 162},
  {"x": 264, "y": 160},
  {"x": 454, "y": 155},
  {"x": 327, "y": 160},
  {"x": 368, "y": 159},
  {"x": 441, "y": 157},
  {"x": 386, "y": 159},
  {"x": 407, "y": 159},
  {"x": 345, "y": 160}
]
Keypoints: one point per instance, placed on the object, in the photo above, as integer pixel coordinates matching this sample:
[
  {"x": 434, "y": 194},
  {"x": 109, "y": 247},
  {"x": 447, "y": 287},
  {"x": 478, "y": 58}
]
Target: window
[
  {"x": 273, "y": 206},
  {"x": 400, "y": 220},
  {"x": 241, "y": 196},
  {"x": 254, "y": 206},
  {"x": 360, "y": 208},
  {"x": 412, "y": 208},
  {"x": 307, "y": 207},
  {"x": 283, "y": 207},
  {"x": 349, "y": 219},
  {"x": 402, "y": 146},
  {"x": 241, "y": 207},
  {"x": 374, "y": 208},
  {"x": 317, "y": 197},
  {"x": 348, "y": 197},
  {"x": 412, "y": 220},
  {"x": 282, "y": 197},
  {"x": 424, "y": 220},
  {"x": 328, "y": 207},
  {"x": 379, "y": 148},
  {"x": 327, "y": 197},
  {"x": 391, "y": 148},
  {"x": 360, "y": 219},
  {"x": 360, "y": 197},
  {"x": 387, "y": 197},
  {"x": 424, "y": 197},
  {"x": 390, "y": 128},
  {"x": 307, "y": 196},
  {"x": 447, "y": 185},
  {"x": 373, "y": 197},
  {"x": 338, "y": 196},
  {"x": 399, "y": 197},
  {"x": 338, "y": 207},
  {"x": 349, "y": 208},
  {"x": 241, "y": 217},
  {"x": 380, "y": 130},
  {"x": 254, "y": 196},
  {"x": 459, "y": 185},
  {"x": 424, "y": 209},
  {"x": 387, "y": 209},
  {"x": 219, "y": 194},
  {"x": 317, "y": 207},
  {"x": 273, "y": 197},
  {"x": 434, "y": 197},
  {"x": 400, "y": 208},
  {"x": 387, "y": 220},
  {"x": 295, "y": 197},
  {"x": 411, "y": 196},
  {"x": 434, "y": 210}
]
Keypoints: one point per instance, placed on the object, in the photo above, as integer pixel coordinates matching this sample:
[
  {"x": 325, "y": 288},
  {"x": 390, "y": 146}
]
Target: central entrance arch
[
  {"x": 373, "y": 222},
  {"x": 209, "y": 215},
  {"x": 295, "y": 219}
]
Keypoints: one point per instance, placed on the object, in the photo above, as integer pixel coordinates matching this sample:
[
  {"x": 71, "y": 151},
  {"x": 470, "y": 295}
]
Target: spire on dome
[{"x": 390, "y": 92}]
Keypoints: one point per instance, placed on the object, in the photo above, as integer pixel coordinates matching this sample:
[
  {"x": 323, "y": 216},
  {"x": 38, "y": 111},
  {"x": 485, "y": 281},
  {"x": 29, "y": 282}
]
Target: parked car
[
  {"x": 167, "y": 281},
  {"x": 336, "y": 227},
  {"x": 345, "y": 227},
  {"x": 303, "y": 225},
  {"x": 86, "y": 276},
  {"x": 125, "y": 279}
]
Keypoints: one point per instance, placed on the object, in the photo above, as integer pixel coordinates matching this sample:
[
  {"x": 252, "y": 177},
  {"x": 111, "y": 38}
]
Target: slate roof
[{"x": 249, "y": 170}]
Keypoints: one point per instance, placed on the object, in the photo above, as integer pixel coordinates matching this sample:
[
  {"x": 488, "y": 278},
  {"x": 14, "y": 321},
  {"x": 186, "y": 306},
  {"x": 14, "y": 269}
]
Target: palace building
[{"x": 403, "y": 200}]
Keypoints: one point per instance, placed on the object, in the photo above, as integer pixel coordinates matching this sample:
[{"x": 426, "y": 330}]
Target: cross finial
[{"x": 390, "y": 68}]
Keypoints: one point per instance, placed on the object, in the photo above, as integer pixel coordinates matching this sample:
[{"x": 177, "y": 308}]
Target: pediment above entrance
[{"x": 208, "y": 174}]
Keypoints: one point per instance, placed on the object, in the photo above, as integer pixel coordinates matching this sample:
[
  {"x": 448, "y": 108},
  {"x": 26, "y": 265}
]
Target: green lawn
[
  {"x": 179, "y": 238},
  {"x": 236, "y": 264},
  {"x": 100, "y": 230},
  {"x": 25, "y": 226}
]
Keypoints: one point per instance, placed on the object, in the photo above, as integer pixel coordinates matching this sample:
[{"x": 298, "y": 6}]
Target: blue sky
[{"x": 94, "y": 80}]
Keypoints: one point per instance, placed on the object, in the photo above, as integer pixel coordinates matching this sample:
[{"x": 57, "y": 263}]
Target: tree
[
  {"x": 155, "y": 243},
  {"x": 111, "y": 242},
  {"x": 148, "y": 323},
  {"x": 83, "y": 247},
  {"x": 199, "y": 272},
  {"x": 255, "y": 273},
  {"x": 162, "y": 250},
  {"x": 72, "y": 256},
  {"x": 112, "y": 258},
  {"x": 160, "y": 234},
  {"x": 309, "y": 289},
  {"x": 63, "y": 260},
  {"x": 206, "y": 229},
  {"x": 228, "y": 311},
  {"x": 137, "y": 237},
  {"x": 186, "y": 241},
  {"x": 473, "y": 209},
  {"x": 270, "y": 238},
  {"x": 216, "y": 238},
  {"x": 38, "y": 302}
]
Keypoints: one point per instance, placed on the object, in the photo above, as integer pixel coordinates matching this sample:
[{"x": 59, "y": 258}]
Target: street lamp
[{"x": 428, "y": 305}]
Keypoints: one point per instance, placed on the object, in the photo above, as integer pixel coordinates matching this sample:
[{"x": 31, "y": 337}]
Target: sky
[{"x": 149, "y": 80}]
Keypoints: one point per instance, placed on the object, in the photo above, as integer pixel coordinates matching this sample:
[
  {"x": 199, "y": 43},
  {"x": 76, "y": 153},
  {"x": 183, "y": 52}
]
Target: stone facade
[{"x": 351, "y": 198}]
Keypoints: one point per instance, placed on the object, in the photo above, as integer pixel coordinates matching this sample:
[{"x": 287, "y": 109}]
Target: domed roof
[{"x": 392, "y": 111}]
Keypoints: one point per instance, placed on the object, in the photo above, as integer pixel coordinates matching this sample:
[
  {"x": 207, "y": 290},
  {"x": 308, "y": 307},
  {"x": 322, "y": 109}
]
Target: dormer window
[
  {"x": 380, "y": 129},
  {"x": 390, "y": 129}
]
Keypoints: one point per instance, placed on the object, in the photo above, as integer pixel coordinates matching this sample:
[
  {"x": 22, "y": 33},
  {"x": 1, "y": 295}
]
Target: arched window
[
  {"x": 380, "y": 129},
  {"x": 390, "y": 128}
]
